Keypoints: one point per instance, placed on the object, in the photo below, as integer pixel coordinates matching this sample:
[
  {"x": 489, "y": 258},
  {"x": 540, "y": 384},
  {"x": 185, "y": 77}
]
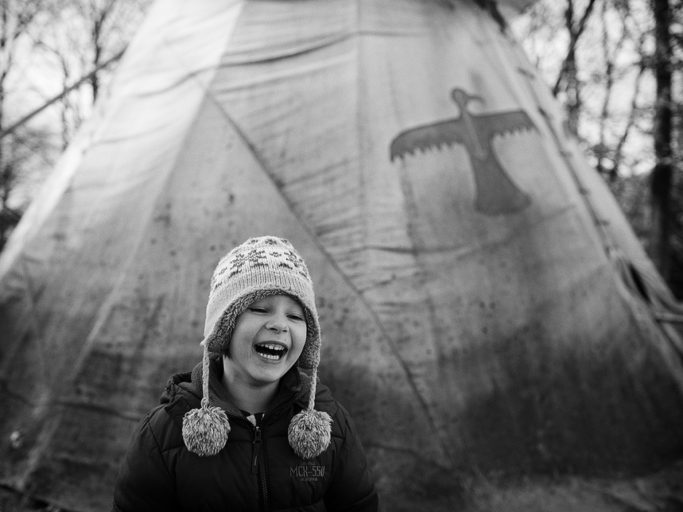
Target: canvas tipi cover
[{"x": 488, "y": 317}]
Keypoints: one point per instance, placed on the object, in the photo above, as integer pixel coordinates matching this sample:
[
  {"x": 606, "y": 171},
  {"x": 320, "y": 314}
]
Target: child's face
[{"x": 267, "y": 340}]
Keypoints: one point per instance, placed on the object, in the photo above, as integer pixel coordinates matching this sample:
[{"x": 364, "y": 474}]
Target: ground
[
  {"x": 12, "y": 502},
  {"x": 658, "y": 492}
]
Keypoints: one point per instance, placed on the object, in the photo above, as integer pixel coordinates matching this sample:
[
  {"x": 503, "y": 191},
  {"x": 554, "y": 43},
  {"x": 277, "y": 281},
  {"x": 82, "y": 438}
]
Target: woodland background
[{"x": 615, "y": 65}]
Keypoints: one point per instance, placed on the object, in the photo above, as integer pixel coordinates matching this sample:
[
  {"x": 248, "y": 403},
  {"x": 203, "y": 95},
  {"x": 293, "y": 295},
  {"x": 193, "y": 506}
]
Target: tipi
[{"x": 488, "y": 316}]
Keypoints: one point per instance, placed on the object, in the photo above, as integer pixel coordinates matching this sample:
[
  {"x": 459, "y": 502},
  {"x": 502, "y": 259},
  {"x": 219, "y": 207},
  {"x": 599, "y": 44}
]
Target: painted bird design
[{"x": 496, "y": 193}]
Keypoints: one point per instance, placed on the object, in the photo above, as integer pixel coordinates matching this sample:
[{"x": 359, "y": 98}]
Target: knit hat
[{"x": 258, "y": 268}]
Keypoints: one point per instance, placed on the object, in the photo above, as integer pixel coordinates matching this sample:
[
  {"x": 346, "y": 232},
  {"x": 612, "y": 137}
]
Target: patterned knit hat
[{"x": 258, "y": 268}]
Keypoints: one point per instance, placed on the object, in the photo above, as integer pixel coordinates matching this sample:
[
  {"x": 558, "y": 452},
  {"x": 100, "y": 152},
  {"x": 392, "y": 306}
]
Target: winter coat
[{"x": 256, "y": 471}]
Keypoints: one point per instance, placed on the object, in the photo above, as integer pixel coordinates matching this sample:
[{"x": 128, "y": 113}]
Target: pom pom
[
  {"x": 309, "y": 433},
  {"x": 205, "y": 430}
]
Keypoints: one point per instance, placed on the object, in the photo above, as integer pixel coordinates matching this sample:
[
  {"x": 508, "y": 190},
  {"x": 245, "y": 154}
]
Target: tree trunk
[{"x": 662, "y": 174}]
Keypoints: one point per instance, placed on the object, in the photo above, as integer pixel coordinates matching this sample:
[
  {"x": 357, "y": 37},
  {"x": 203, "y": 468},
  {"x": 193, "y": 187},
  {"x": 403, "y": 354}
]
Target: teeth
[
  {"x": 270, "y": 351},
  {"x": 273, "y": 347},
  {"x": 268, "y": 356}
]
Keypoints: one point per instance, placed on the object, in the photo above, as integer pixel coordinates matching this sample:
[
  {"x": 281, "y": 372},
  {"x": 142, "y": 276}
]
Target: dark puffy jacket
[{"x": 256, "y": 471}]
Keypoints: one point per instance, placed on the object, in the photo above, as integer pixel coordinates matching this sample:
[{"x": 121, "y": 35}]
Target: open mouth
[{"x": 270, "y": 351}]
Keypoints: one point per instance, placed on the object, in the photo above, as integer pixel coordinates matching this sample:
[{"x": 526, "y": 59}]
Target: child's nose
[{"x": 277, "y": 323}]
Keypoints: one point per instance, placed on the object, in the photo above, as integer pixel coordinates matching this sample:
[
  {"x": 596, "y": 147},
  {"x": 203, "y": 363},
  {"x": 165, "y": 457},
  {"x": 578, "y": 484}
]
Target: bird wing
[
  {"x": 427, "y": 136},
  {"x": 502, "y": 123}
]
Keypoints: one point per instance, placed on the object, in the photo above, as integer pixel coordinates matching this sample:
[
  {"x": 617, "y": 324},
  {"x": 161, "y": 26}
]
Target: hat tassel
[
  {"x": 205, "y": 430},
  {"x": 309, "y": 431}
]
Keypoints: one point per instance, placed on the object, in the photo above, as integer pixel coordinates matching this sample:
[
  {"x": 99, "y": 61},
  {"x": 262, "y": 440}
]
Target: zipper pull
[{"x": 256, "y": 444}]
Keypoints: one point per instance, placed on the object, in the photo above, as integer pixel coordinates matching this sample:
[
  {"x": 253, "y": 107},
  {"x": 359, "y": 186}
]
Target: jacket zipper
[
  {"x": 255, "y": 447},
  {"x": 258, "y": 468}
]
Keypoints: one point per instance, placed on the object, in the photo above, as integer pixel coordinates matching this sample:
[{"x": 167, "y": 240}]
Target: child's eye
[
  {"x": 296, "y": 316},
  {"x": 257, "y": 309}
]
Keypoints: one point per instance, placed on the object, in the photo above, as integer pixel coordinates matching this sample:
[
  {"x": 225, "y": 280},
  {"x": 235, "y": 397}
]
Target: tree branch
[
  {"x": 575, "y": 33},
  {"x": 59, "y": 96}
]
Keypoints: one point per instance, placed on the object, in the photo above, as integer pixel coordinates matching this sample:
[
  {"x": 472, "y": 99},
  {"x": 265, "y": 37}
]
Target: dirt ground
[
  {"x": 658, "y": 492},
  {"x": 12, "y": 502}
]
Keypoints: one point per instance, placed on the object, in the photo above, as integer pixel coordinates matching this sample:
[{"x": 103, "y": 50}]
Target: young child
[{"x": 250, "y": 428}]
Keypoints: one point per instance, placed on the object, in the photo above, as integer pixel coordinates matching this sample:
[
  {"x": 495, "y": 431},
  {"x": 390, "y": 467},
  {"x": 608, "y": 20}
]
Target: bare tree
[
  {"x": 87, "y": 36},
  {"x": 16, "y": 19},
  {"x": 662, "y": 174},
  {"x": 568, "y": 78},
  {"x": 73, "y": 43},
  {"x": 593, "y": 56},
  {"x": 70, "y": 110},
  {"x": 622, "y": 43}
]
